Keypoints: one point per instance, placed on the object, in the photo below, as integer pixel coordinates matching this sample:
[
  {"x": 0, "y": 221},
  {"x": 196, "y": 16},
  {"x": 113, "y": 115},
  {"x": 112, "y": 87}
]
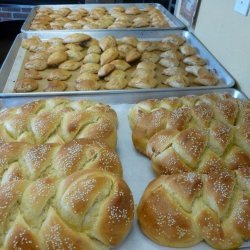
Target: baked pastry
[
  {"x": 75, "y": 55},
  {"x": 146, "y": 65},
  {"x": 133, "y": 10},
  {"x": 87, "y": 76},
  {"x": 150, "y": 56},
  {"x": 204, "y": 76},
  {"x": 121, "y": 64},
  {"x": 124, "y": 49},
  {"x": 57, "y": 58},
  {"x": 72, "y": 25},
  {"x": 133, "y": 55},
  {"x": 39, "y": 47},
  {"x": 59, "y": 74},
  {"x": 59, "y": 120},
  {"x": 169, "y": 62},
  {"x": 94, "y": 49},
  {"x": 107, "y": 42},
  {"x": 177, "y": 81},
  {"x": 109, "y": 55},
  {"x": 56, "y": 209},
  {"x": 56, "y": 41},
  {"x": 116, "y": 83},
  {"x": 174, "y": 39},
  {"x": 76, "y": 38},
  {"x": 194, "y": 60},
  {"x": 25, "y": 85},
  {"x": 55, "y": 86},
  {"x": 70, "y": 65},
  {"x": 146, "y": 82},
  {"x": 26, "y": 43},
  {"x": 90, "y": 67},
  {"x": 174, "y": 71},
  {"x": 115, "y": 74},
  {"x": 73, "y": 46},
  {"x": 171, "y": 54},
  {"x": 39, "y": 56},
  {"x": 57, "y": 47},
  {"x": 92, "y": 58},
  {"x": 130, "y": 40},
  {"x": 85, "y": 85},
  {"x": 187, "y": 50},
  {"x": 106, "y": 69},
  {"x": 36, "y": 64},
  {"x": 33, "y": 74}
]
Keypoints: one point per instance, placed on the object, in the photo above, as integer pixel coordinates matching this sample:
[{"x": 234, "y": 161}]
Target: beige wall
[{"x": 226, "y": 34}]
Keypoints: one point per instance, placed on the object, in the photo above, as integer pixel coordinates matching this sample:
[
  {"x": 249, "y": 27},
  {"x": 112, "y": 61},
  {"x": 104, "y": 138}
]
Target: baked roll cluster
[
  {"x": 199, "y": 146},
  {"x": 66, "y": 193},
  {"x": 98, "y": 18},
  {"x": 59, "y": 120},
  {"x": 79, "y": 62}
]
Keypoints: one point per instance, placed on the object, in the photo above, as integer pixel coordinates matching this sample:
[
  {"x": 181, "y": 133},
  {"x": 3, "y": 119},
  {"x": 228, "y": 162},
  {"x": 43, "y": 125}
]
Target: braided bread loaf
[
  {"x": 26, "y": 161},
  {"x": 183, "y": 209},
  {"x": 90, "y": 209},
  {"x": 59, "y": 120},
  {"x": 193, "y": 133}
]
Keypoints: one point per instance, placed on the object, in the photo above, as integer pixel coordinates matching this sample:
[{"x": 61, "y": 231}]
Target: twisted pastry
[
  {"x": 26, "y": 161},
  {"x": 180, "y": 210},
  {"x": 193, "y": 133},
  {"x": 59, "y": 120},
  {"x": 90, "y": 209}
]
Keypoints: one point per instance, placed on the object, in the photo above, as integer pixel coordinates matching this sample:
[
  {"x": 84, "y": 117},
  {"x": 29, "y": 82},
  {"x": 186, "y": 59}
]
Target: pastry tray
[
  {"x": 136, "y": 167},
  {"x": 14, "y": 61},
  {"x": 173, "y": 21}
]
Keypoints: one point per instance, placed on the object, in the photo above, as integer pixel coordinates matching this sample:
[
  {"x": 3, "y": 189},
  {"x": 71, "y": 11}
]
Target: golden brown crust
[
  {"x": 54, "y": 213},
  {"x": 56, "y": 160},
  {"x": 182, "y": 209},
  {"x": 213, "y": 133},
  {"x": 59, "y": 120},
  {"x": 26, "y": 85}
]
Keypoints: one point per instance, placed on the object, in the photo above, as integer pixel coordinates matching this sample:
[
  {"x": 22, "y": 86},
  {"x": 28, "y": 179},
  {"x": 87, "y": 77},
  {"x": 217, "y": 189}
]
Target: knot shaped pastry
[
  {"x": 86, "y": 210},
  {"x": 59, "y": 120},
  {"x": 20, "y": 160},
  {"x": 183, "y": 209},
  {"x": 193, "y": 133}
]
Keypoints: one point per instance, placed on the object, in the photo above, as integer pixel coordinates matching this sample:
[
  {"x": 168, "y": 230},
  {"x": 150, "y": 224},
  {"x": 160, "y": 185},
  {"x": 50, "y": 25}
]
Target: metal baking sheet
[
  {"x": 136, "y": 167},
  {"x": 13, "y": 63},
  {"x": 173, "y": 21}
]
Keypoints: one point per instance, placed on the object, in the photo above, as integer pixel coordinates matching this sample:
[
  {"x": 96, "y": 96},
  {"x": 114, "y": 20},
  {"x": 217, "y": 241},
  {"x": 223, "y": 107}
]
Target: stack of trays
[{"x": 75, "y": 129}]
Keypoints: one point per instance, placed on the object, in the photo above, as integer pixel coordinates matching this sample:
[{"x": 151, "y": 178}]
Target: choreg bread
[
  {"x": 193, "y": 133},
  {"x": 27, "y": 161},
  {"x": 59, "y": 120},
  {"x": 181, "y": 210},
  {"x": 86, "y": 210}
]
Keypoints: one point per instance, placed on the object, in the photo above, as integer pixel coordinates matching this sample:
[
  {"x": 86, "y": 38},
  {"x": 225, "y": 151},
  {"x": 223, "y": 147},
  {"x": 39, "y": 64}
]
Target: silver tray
[
  {"x": 174, "y": 22},
  {"x": 13, "y": 62},
  {"x": 136, "y": 168}
]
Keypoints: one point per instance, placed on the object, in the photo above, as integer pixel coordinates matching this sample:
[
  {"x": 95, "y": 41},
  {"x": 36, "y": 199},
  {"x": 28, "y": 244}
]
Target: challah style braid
[
  {"x": 180, "y": 210},
  {"x": 90, "y": 209},
  {"x": 59, "y": 120},
  {"x": 193, "y": 133}
]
